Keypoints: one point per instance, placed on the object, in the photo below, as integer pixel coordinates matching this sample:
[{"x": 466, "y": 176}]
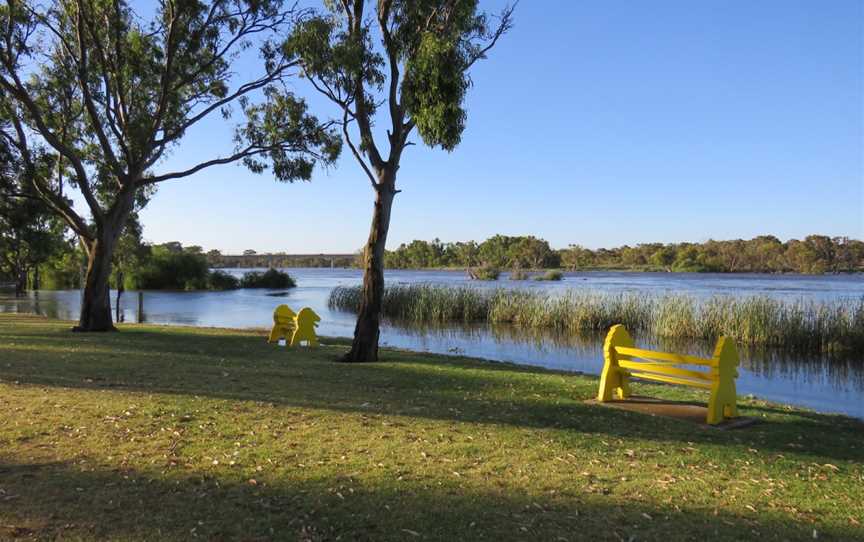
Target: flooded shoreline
[{"x": 827, "y": 384}]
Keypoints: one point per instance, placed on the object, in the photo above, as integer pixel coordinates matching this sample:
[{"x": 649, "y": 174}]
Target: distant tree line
[
  {"x": 815, "y": 254},
  {"x": 251, "y": 259},
  {"x": 35, "y": 252},
  {"x": 499, "y": 251}
]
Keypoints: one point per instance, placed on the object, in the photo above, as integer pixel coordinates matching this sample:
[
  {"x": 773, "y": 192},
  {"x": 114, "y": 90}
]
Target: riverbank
[{"x": 165, "y": 433}]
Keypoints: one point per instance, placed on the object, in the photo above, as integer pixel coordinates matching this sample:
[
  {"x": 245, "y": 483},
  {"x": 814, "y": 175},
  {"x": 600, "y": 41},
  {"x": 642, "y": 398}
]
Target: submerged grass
[
  {"x": 552, "y": 274},
  {"x": 826, "y": 326}
]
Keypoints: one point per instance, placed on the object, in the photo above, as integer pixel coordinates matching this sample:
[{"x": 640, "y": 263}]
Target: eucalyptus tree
[
  {"x": 107, "y": 93},
  {"x": 411, "y": 58}
]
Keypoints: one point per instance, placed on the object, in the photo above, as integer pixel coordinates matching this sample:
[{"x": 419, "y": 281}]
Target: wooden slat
[
  {"x": 663, "y": 356},
  {"x": 664, "y": 369},
  {"x": 670, "y": 380}
]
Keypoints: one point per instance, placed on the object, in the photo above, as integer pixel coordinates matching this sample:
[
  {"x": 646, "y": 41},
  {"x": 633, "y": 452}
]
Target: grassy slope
[{"x": 164, "y": 433}]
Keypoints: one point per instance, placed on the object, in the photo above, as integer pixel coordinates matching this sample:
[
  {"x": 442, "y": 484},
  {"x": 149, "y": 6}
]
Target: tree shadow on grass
[
  {"x": 241, "y": 366},
  {"x": 65, "y": 501}
]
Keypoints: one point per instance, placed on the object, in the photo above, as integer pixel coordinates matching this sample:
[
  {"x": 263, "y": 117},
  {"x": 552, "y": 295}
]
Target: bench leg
[
  {"x": 614, "y": 383},
  {"x": 724, "y": 395}
]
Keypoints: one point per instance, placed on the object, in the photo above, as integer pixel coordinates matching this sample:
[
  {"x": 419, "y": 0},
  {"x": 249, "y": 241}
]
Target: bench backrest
[{"x": 622, "y": 360}]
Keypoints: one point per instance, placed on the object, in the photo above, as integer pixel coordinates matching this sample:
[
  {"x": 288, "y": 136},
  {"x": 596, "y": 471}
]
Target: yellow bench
[{"x": 623, "y": 361}]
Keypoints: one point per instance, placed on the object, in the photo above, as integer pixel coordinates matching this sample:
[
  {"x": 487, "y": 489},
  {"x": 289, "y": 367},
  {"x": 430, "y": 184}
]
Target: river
[{"x": 814, "y": 381}]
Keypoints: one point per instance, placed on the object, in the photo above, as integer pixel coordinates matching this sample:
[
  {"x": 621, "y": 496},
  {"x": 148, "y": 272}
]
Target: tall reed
[{"x": 758, "y": 320}]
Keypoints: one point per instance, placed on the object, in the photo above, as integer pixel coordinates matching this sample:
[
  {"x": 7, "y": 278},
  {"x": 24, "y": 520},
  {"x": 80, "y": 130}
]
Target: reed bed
[{"x": 826, "y": 326}]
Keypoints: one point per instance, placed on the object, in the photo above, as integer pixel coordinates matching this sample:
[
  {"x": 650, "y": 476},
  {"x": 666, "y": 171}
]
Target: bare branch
[
  {"x": 364, "y": 122},
  {"x": 396, "y": 113},
  {"x": 247, "y": 152},
  {"x": 505, "y": 24},
  {"x": 354, "y": 151}
]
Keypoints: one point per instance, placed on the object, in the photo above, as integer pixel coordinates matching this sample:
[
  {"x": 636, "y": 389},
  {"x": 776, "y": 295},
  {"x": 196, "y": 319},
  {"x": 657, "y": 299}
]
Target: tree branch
[
  {"x": 364, "y": 123},
  {"x": 250, "y": 150},
  {"x": 504, "y": 26},
  {"x": 88, "y": 100},
  {"x": 78, "y": 224},
  {"x": 242, "y": 90},
  {"x": 17, "y": 90},
  {"x": 354, "y": 151},
  {"x": 396, "y": 113}
]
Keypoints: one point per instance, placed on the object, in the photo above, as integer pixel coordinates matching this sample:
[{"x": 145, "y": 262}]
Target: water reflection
[{"x": 825, "y": 383}]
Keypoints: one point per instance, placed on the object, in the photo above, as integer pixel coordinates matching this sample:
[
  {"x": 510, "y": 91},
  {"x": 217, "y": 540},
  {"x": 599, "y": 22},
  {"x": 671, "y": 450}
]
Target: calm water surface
[{"x": 811, "y": 381}]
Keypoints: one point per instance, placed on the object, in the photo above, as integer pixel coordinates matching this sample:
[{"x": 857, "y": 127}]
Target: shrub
[
  {"x": 552, "y": 274},
  {"x": 272, "y": 279},
  {"x": 62, "y": 273},
  {"x": 167, "y": 270},
  {"x": 220, "y": 280},
  {"x": 485, "y": 272}
]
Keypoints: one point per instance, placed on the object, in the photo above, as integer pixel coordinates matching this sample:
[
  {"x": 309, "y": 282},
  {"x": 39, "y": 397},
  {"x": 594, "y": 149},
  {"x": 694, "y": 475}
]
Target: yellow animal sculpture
[
  {"x": 304, "y": 327},
  {"x": 283, "y": 324}
]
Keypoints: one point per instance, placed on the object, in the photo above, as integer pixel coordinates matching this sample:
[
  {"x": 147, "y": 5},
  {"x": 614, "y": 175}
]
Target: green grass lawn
[{"x": 170, "y": 433}]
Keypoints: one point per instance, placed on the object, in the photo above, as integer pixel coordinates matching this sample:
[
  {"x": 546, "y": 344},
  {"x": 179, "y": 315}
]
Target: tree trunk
[
  {"x": 366, "y": 332},
  {"x": 21, "y": 281},
  {"x": 118, "y": 316},
  {"x": 96, "y": 299}
]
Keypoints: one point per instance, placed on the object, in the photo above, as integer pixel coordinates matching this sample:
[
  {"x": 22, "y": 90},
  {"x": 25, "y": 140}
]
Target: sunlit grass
[
  {"x": 168, "y": 433},
  {"x": 763, "y": 321}
]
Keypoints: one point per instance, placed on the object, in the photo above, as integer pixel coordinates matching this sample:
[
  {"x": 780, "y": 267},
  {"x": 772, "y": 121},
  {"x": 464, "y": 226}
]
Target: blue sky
[{"x": 598, "y": 123}]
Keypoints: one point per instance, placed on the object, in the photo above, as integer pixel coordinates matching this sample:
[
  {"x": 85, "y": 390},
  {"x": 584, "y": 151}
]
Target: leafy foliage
[
  {"x": 278, "y": 259},
  {"x": 552, "y": 274},
  {"x": 95, "y": 96},
  {"x": 814, "y": 254},
  {"x": 485, "y": 272},
  {"x": 165, "y": 269},
  {"x": 29, "y": 232},
  {"x": 499, "y": 251},
  {"x": 764, "y": 254},
  {"x": 272, "y": 279},
  {"x": 220, "y": 280},
  {"x": 413, "y": 56},
  {"x": 64, "y": 270}
]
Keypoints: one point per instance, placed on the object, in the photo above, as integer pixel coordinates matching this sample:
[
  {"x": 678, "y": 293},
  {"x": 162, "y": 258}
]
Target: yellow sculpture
[
  {"x": 304, "y": 327},
  {"x": 623, "y": 361},
  {"x": 283, "y": 324}
]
